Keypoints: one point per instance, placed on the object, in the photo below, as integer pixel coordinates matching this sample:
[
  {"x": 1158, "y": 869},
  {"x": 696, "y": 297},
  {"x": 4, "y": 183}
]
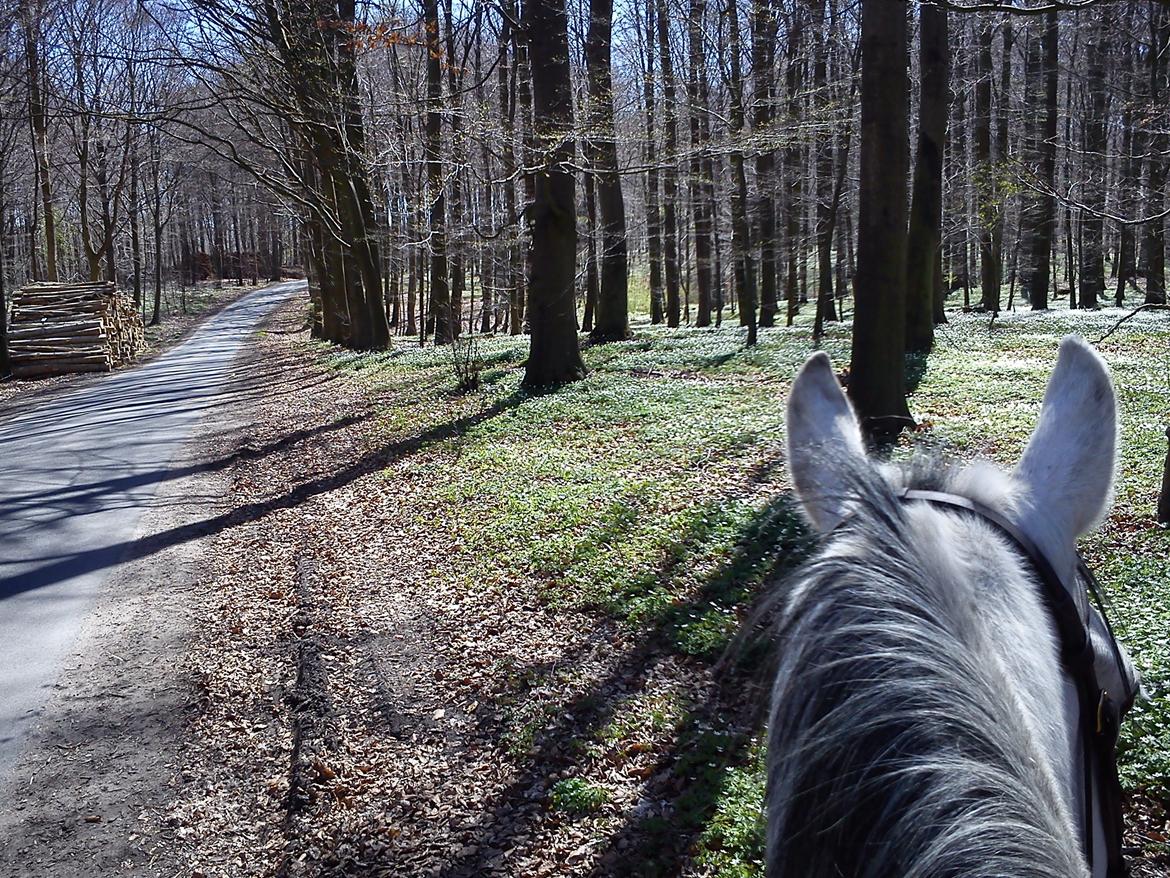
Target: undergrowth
[{"x": 653, "y": 494}]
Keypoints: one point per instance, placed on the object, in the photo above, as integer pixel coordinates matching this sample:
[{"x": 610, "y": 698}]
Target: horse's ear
[
  {"x": 822, "y": 434},
  {"x": 1066, "y": 473}
]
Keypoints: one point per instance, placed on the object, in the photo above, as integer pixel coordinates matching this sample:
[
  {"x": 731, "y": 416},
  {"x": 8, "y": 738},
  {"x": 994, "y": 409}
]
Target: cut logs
[{"x": 61, "y": 328}]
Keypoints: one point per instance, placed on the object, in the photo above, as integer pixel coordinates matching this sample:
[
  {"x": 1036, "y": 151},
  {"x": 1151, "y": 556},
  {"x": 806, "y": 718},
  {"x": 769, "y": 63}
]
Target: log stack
[{"x": 62, "y": 328}]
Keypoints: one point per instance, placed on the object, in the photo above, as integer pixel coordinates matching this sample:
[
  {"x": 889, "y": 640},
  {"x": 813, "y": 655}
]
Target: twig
[{"x": 1133, "y": 313}]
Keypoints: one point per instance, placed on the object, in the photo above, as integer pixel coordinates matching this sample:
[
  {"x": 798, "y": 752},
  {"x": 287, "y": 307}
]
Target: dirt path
[{"x": 363, "y": 709}]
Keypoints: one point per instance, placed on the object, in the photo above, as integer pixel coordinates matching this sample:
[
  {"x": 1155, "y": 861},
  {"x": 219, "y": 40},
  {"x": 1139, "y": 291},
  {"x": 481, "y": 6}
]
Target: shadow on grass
[
  {"x": 713, "y": 734},
  {"x": 916, "y": 364}
]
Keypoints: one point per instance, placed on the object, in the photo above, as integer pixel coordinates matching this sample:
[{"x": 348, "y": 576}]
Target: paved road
[{"x": 77, "y": 472}]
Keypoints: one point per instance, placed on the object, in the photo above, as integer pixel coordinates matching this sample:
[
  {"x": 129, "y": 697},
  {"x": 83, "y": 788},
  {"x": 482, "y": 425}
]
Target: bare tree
[
  {"x": 555, "y": 356},
  {"x": 924, "y": 246},
  {"x": 877, "y": 382}
]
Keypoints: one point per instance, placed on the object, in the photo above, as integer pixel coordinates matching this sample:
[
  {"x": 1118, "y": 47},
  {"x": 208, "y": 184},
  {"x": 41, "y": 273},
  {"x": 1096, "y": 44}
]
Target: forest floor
[
  {"x": 182, "y": 310},
  {"x": 485, "y": 633}
]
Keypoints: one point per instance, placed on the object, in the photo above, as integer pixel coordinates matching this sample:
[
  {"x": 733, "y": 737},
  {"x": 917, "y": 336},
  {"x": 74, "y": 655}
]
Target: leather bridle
[{"x": 1100, "y": 711}]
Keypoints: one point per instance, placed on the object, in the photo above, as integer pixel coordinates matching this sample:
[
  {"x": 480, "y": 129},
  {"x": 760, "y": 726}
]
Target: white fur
[
  {"x": 819, "y": 419},
  {"x": 1061, "y": 488},
  {"x": 1065, "y": 477}
]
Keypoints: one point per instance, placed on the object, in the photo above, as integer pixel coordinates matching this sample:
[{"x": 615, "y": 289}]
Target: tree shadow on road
[{"x": 69, "y": 565}]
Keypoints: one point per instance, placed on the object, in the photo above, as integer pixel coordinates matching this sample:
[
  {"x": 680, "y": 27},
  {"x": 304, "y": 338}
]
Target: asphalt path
[{"x": 77, "y": 472}]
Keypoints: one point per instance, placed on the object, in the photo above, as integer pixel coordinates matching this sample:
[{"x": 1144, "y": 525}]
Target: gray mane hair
[{"x": 902, "y": 743}]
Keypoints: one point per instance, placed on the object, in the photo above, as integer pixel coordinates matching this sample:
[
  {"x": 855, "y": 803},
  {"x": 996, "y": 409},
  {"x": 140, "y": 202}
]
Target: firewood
[{"x": 61, "y": 328}]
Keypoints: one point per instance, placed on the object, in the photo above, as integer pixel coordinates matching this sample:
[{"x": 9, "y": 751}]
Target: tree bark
[
  {"x": 554, "y": 356},
  {"x": 700, "y": 207},
  {"x": 524, "y": 72},
  {"x": 650, "y": 154},
  {"x": 1092, "y": 273},
  {"x": 592, "y": 279},
  {"x": 826, "y": 211},
  {"x": 793, "y": 170},
  {"x": 612, "y": 319},
  {"x": 741, "y": 244},
  {"x": 986, "y": 172},
  {"x": 877, "y": 381},
  {"x": 763, "y": 58},
  {"x": 440, "y": 312},
  {"x": 1154, "y": 237},
  {"x": 924, "y": 244},
  {"x": 670, "y": 168},
  {"x": 32, "y": 15},
  {"x": 157, "y": 217},
  {"x": 455, "y": 253},
  {"x": 1039, "y": 210}
]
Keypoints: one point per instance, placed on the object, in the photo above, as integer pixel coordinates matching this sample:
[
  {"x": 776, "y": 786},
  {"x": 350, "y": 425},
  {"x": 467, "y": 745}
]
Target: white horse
[{"x": 923, "y": 722}]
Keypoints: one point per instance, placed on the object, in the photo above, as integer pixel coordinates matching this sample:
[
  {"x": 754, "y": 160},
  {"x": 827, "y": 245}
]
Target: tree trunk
[
  {"x": 1154, "y": 243},
  {"x": 700, "y": 207},
  {"x": 455, "y": 252},
  {"x": 527, "y": 160},
  {"x": 1000, "y": 155},
  {"x": 592, "y": 280},
  {"x": 877, "y": 381},
  {"x": 612, "y": 319},
  {"x": 135, "y": 232},
  {"x": 555, "y": 355},
  {"x": 1039, "y": 210},
  {"x": 924, "y": 244},
  {"x": 741, "y": 243},
  {"x": 157, "y": 217},
  {"x": 440, "y": 312},
  {"x": 650, "y": 154},
  {"x": 793, "y": 170},
  {"x": 670, "y": 168},
  {"x": 826, "y": 218},
  {"x": 1092, "y": 280},
  {"x": 763, "y": 58},
  {"x": 33, "y": 14},
  {"x": 986, "y": 173},
  {"x": 3, "y": 287}
]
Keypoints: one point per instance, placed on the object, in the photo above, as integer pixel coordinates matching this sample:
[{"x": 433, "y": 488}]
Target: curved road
[{"x": 77, "y": 471}]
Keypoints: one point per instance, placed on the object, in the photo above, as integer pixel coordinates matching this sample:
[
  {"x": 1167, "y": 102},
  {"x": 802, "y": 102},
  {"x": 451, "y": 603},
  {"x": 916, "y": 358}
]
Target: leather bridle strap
[
  {"x": 1077, "y": 655},
  {"x": 1076, "y": 650}
]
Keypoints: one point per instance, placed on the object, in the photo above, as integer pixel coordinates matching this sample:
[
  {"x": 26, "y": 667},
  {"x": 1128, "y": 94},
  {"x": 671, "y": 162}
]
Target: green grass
[
  {"x": 732, "y": 842},
  {"x": 575, "y": 795},
  {"x": 653, "y": 494}
]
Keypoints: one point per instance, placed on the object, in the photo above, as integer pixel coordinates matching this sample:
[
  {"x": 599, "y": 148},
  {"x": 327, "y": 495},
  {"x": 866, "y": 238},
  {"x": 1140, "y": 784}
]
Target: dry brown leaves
[{"x": 362, "y": 708}]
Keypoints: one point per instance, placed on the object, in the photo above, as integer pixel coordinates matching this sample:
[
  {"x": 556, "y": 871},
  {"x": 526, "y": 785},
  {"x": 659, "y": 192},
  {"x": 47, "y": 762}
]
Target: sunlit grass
[{"x": 653, "y": 492}]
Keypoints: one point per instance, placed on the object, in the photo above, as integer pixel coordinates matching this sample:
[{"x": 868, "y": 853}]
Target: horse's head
[
  {"x": 926, "y": 635},
  {"x": 1060, "y": 489}
]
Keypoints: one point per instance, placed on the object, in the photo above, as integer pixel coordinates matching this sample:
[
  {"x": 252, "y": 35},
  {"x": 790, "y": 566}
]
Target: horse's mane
[{"x": 897, "y": 745}]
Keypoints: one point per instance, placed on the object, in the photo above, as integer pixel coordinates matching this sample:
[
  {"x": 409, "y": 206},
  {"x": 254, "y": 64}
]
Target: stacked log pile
[{"x": 61, "y": 328}]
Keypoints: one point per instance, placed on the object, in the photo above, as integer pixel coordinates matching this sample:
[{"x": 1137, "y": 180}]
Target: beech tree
[
  {"x": 611, "y": 322},
  {"x": 924, "y": 282},
  {"x": 392, "y": 151},
  {"x": 1039, "y": 209},
  {"x": 877, "y": 381},
  {"x": 555, "y": 356}
]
